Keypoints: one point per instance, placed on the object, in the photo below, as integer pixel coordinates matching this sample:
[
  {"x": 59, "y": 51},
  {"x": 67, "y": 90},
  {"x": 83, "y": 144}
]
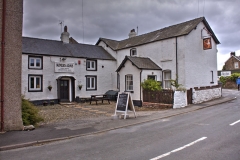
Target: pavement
[{"x": 56, "y": 132}]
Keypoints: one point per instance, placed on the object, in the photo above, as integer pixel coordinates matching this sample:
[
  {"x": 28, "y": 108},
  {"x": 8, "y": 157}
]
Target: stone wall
[
  {"x": 12, "y": 63},
  {"x": 203, "y": 94}
]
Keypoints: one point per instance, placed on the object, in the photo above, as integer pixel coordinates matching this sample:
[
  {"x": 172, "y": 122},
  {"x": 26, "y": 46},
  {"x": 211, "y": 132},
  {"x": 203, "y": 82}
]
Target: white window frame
[
  {"x": 167, "y": 79},
  {"x": 236, "y": 65},
  {"x": 91, "y": 65},
  {"x": 133, "y": 52},
  {"x": 129, "y": 82},
  {"x": 36, "y": 87},
  {"x": 35, "y": 59},
  {"x": 91, "y": 82}
]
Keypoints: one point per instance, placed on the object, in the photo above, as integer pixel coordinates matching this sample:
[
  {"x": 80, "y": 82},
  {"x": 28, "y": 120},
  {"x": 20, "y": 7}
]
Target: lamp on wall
[{"x": 63, "y": 59}]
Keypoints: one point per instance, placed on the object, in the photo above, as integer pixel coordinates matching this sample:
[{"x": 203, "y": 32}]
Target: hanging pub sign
[
  {"x": 207, "y": 43},
  {"x": 124, "y": 104},
  {"x": 64, "y": 67}
]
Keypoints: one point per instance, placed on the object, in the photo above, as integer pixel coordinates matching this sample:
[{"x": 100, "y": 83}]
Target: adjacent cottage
[
  {"x": 187, "y": 50},
  {"x": 60, "y": 71}
]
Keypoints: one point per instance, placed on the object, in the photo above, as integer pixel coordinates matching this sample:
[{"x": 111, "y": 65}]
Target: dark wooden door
[{"x": 64, "y": 90}]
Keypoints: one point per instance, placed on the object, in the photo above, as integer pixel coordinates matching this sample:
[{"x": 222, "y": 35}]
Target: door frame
[{"x": 71, "y": 85}]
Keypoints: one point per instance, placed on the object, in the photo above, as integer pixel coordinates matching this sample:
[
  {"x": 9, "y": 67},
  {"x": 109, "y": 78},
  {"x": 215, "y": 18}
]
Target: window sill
[
  {"x": 129, "y": 91},
  {"x": 211, "y": 82}
]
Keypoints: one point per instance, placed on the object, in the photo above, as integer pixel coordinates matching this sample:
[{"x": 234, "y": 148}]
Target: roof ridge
[{"x": 163, "y": 28}]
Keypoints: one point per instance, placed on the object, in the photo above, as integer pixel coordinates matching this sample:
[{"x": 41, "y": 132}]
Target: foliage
[
  {"x": 30, "y": 113},
  {"x": 224, "y": 68},
  {"x": 178, "y": 86},
  {"x": 151, "y": 85},
  {"x": 233, "y": 77}
]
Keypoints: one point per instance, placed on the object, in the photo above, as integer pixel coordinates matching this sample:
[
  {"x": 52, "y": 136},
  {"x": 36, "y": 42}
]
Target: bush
[
  {"x": 30, "y": 113},
  {"x": 233, "y": 78},
  {"x": 151, "y": 85}
]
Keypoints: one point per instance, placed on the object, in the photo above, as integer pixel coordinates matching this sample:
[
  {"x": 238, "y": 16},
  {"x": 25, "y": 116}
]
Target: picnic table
[{"x": 99, "y": 97}]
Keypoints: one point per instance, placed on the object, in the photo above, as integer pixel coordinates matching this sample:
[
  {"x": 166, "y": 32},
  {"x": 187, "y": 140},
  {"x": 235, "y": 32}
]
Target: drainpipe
[
  {"x": 141, "y": 87},
  {"x": 2, "y": 62},
  {"x": 176, "y": 60}
]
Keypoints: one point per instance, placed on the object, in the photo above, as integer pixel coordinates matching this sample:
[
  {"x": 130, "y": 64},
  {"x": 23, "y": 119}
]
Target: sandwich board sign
[{"x": 124, "y": 104}]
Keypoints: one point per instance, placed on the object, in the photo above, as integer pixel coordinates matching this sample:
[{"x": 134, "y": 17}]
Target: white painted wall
[
  {"x": 198, "y": 62},
  {"x": 180, "y": 99},
  {"x": 200, "y": 96},
  {"x": 106, "y": 77},
  {"x": 131, "y": 69},
  {"x": 108, "y": 49}
]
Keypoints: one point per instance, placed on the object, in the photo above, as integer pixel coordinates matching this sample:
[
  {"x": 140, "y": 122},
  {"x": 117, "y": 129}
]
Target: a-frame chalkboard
[{"x": 124, "y": 104}]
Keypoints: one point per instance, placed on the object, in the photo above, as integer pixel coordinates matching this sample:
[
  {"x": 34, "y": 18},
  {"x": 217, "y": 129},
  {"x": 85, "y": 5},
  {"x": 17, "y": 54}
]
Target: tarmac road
[{"x": 209, "y": 133}]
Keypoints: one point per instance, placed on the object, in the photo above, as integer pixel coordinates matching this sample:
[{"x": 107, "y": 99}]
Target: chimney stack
[
  {"x": 232, "y": 54},
  {"x": 132, "y": 33},
  {"x": 65, "y": 36}
]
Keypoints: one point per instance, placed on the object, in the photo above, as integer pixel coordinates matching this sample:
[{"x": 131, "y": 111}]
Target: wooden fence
[{"x": 165, "y": 96}]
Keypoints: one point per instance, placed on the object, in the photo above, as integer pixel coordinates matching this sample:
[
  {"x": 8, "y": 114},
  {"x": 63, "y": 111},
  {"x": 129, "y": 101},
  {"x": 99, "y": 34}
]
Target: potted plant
[
  {"x": 49, "y": 87},
  {"x": 80, "y": 86}
]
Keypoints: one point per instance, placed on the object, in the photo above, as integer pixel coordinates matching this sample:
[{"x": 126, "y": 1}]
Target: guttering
[
  {"x": 2, "y": 63},
  {"x": 176, "y": 60},
  {"x": 141, "y": 87}
]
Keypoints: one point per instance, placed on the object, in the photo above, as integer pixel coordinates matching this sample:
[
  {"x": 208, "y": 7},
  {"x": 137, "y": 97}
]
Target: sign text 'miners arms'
[{"x": 64, "y": 67}]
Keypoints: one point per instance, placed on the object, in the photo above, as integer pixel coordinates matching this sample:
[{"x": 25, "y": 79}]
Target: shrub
[
  {"x": 151, "y": 85},
  {"x": 233, "y": 77},
  {"x": 178, "y": 86},
  {"x": 30, "y": 113}
]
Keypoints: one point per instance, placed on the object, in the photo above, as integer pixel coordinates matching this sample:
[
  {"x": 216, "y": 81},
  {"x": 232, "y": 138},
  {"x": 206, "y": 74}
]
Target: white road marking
[
  {"x": 234, "y": 123},
  {"x": 178, "y": 149}
]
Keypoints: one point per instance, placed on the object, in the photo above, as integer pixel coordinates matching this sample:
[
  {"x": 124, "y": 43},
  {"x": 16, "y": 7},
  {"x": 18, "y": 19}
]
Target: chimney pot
[
  {"x": 65, "y": 35},
  {"x": 232, "y": 54},
  {"x": 132, "y": 33}
]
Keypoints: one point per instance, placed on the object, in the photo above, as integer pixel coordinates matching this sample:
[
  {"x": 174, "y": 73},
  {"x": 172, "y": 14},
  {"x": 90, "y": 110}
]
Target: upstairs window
[
  {"x": 91, "y": 65},
  {"x": 35, "y": 62},
  {"x": 236, "y": 65},
  {"x": 133, "y": 52},
  {"x": 129, "y": 82}
]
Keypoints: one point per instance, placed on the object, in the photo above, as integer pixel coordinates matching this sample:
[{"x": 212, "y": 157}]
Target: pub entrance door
[{"x": 64, "y": 90}]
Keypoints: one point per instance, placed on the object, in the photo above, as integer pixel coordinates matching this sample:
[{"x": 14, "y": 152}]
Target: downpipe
[{"x": 2, "y": 63}]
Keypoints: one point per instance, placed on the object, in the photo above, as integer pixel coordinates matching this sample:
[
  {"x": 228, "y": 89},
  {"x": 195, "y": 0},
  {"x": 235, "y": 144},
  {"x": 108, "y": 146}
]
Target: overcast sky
[{"x": 114, "y": 19}]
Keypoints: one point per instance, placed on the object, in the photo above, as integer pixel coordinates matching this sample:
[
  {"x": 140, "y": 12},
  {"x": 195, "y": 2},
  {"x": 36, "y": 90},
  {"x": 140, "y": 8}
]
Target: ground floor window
[
  {"x": 91, "y": 82},
  {"x": 35, "y": 83},
  {"x": 167, "y": 79},
  {"x": 129, "y": 82},
  {"x": 153, "y": 77}
]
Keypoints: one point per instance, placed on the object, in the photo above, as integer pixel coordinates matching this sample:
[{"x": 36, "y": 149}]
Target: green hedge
[
  {"x": 233, "y": 78},
  {"x": 30, "y": 114},
  {"x": 151, "y": 85}
]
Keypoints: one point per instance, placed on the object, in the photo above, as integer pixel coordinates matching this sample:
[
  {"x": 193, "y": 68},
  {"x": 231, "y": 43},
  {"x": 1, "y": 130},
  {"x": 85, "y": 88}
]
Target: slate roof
[
  {"x": 58, "y": 48},
  {"x": 161, "y": 34},
  {"x": 144, "y": 63}
]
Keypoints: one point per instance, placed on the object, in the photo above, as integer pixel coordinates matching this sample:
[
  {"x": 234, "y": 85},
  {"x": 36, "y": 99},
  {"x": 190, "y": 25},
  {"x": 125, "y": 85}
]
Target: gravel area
[{"x": 61, "y": 113}]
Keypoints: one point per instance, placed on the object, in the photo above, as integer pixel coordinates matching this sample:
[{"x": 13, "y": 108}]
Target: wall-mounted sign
[
  {"x": 207, "y": 43},
  {"x": 64, "y": 67},
  {"x": 225, "y": 73}
]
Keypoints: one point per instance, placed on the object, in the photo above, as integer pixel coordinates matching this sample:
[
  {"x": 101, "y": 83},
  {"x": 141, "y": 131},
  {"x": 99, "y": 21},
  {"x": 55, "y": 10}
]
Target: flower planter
[{"x": 49, "y": 88}]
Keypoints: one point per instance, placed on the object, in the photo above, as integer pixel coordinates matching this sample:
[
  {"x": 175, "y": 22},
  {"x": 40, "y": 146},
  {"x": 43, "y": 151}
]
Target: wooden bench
[{"x": 100, "y": 97}]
